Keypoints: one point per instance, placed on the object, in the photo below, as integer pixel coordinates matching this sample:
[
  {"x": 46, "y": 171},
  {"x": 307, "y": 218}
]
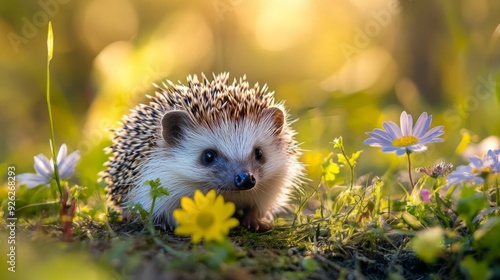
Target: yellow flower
[{"x": 207, "y": 217}]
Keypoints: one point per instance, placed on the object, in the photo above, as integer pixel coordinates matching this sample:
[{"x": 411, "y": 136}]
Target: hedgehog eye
[
  {"x": 208, "y": 156},
  {"x": 258, "y": 154}
]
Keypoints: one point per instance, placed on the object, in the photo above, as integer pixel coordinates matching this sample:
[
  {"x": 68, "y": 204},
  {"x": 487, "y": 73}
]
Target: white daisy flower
[{"x": 45, "y": 168}]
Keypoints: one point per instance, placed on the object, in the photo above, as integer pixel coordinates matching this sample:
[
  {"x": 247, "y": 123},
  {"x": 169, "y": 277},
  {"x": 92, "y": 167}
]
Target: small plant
[
  {"x": 349, "y": 161},
  {"x": 57, "y": 168},
  {"x": 156, "y": 191}
]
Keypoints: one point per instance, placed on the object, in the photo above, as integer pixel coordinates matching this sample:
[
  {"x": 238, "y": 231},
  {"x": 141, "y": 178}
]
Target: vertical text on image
[{"x": 11, "y": 218}]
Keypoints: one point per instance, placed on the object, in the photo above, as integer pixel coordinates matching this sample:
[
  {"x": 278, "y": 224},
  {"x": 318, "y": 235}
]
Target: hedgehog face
[
  {"x": 244, "y": 178},
  {"x": 232, "y": 156}
]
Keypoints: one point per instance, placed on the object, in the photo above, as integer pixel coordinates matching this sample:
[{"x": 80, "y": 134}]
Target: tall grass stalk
[{"x": 50, "y": 51}]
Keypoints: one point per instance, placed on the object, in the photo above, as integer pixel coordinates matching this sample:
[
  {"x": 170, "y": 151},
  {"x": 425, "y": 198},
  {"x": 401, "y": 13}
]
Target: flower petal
[
  {"x": 373, "y": 142},
  {"x": 43, "y": 166},
  {"x": 422, "y": 125},
  {"x": 431, "y": 135},
  {"x": 476, "y": 162},
  {"x": 232, "y": 222},
  {"x": 401, "y": 151},
  {"x": 227, "y": 210},
  {"x": 383, "y": 140},
  {"x": 61, "y": 156},
  {"x": 406, "y": 122},
  {"x": 32, "y": 180},
  {"x": 388, "y": 149},
  {"x": 188, "y": 204},
  {"x": 392, "y": 129},
  {"x": 382, "y": 135},
  {"x": 211, "y": 195},
  {"x": 200, "y": 200},
  {"x": 417, "y": 148},
  {"x": 67, "y": 167},
  {"x": 464, "y": 173}
]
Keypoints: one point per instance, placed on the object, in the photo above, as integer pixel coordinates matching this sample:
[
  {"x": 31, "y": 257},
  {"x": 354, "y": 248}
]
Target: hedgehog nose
[{"x": 244, "y": 181}]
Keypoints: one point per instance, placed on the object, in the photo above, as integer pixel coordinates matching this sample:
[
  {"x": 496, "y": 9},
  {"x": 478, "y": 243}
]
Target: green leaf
[
  {"x": 161, "y": 191},
  {"x": 342, "y": 159},
  {"x": 487, "y": 236},
  {"x": 156, "y": 189},
  {"x": 476, "y": 270},
  {"x": 470, "y": 203},
  {"x": 330, "y": 171},
  {"x": 138, "y": 210},
  {"x": 428, "y": 244},
  {"x": 412, "y": 221},
  {"x": 351, "y": 161},
  {"x": 219, "y": 253},
  {"x": 309, "y": 264},
  {"x": 153, "y": 183},
  {"x": 355, "y": 156}
]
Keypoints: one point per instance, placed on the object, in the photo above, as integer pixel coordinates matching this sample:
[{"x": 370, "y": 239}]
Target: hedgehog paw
[{"x": 256, "y": 224}]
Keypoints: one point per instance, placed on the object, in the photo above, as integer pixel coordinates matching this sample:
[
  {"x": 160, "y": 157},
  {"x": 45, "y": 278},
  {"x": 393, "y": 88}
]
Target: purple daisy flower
[
  {"x": 478, "y": 169},
  {"x": 406, "y": 139}
]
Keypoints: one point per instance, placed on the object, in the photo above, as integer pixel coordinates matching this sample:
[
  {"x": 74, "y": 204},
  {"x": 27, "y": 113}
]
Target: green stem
[
  {"x": 150, "y": 222},
  {"x": 351, "y": 167},
  {"x": 52, "y": 137},
  {"x": 497, "y": 194},
  {"x": 409, "y": 170},
  {"x": 158, "y": 241}
]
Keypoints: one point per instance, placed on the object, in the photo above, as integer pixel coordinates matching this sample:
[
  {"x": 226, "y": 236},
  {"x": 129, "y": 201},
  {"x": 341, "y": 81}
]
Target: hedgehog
[{"x": 208, "y": 134}]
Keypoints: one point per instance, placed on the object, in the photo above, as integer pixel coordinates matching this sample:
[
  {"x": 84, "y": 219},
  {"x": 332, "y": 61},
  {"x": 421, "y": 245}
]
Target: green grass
[{"x": 375, "y": 229}]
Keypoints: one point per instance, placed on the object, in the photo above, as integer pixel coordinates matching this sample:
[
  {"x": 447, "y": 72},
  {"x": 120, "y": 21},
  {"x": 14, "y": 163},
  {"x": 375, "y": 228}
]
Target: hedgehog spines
[{"x": 207, "y": 102}]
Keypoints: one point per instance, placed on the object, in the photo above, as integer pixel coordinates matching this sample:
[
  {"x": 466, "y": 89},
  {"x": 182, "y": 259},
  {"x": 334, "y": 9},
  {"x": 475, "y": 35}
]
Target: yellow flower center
[
  {"x": 205, "y": 220},
  {"x": 483, "y": 172},
  {"x": 405, "y": 141}
]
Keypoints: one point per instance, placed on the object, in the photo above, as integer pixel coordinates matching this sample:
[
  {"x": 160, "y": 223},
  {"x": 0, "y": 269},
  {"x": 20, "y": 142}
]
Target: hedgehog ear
[
  {"x": 174, "y": 124},
  {"x": 276, "y": 116}
]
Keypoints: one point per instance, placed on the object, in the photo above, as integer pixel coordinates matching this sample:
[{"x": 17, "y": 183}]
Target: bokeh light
[{"x": 342, "y": 68}]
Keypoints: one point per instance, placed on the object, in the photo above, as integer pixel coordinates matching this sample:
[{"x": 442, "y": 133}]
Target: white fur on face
[{"x": 180, "y": 169}]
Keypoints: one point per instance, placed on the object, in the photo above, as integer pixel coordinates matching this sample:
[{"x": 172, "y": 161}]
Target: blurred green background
[{"x": 343, "y": 67}]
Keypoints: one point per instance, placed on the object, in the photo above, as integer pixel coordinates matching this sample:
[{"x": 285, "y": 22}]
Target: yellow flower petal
[
  {"x": 181, "y": 216},
  {"x": 231, "y": 223},
  {"x": 200, "y": 200},
  {"x": 228, "y": 209},
  {"x": 188, "y": 204},
  {"x": 211, "y": 195},
  {"x": 182, "y": 230}
]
